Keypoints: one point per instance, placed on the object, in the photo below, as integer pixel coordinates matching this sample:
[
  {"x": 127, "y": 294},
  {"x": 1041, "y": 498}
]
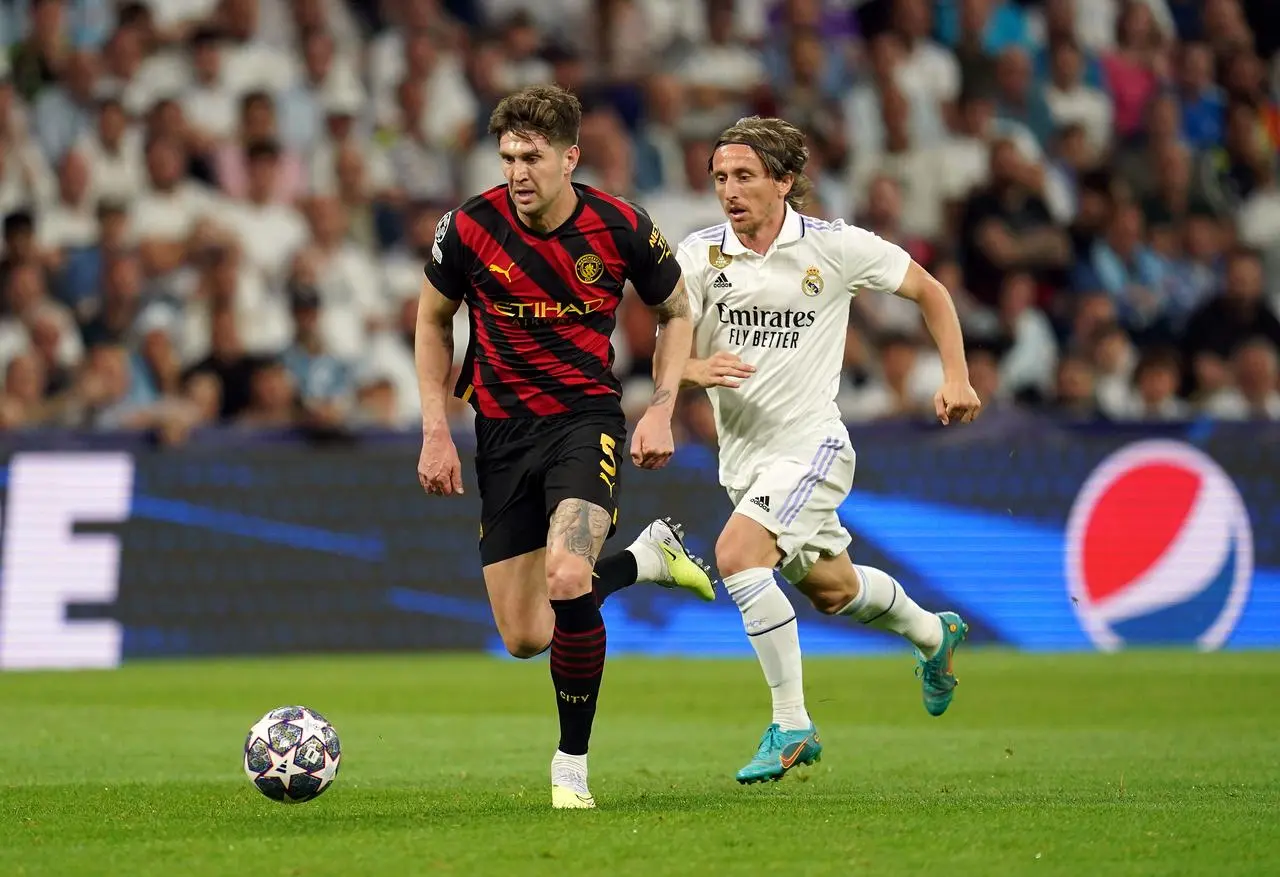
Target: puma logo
[{"x": 505, "y": 272}]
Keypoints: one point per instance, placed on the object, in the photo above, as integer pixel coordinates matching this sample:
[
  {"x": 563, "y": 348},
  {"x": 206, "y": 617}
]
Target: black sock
[
  {"x": 577, "y": 665},
  {"x": 613, "y": 573}
]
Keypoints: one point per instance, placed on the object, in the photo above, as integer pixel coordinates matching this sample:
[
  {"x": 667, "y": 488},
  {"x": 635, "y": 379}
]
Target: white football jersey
[{"x": 787, "y": 314}]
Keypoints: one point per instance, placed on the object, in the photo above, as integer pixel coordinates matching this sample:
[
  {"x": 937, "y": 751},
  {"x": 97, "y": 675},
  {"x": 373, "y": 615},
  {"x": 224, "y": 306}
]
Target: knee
[
  {"x": 568, "y": 576},
  {"x": 736, "y": 552},
  {"x": 520, "y": 644}
]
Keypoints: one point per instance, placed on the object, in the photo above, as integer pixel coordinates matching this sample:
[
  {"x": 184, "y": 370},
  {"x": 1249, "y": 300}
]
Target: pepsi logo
[{"x": 1159, "y": 549}]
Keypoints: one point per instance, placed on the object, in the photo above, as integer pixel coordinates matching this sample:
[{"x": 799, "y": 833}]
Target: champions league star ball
[{"x": 292, "y": 754}]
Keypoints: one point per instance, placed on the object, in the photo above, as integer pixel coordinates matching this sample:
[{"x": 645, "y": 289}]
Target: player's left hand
[
  {"x": 652, "y": 443},
  {"x": 957, "y": 401}
]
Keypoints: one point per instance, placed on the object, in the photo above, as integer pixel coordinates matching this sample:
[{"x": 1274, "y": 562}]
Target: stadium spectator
[
  {"x": 1027, "y": 366},
  {"x": 1006, "y": 226},
  {"x": 209, "y": 103},
  {"x": 165, "y": 214},
  {"x": 115, "y": 311},
  {"x": 64, "y": 112},
  {"x": 272, "y": 397},
  {"x": 1019, "y": 100},
  {"x": 915, "y": 167},
  {"x": 269, "y": 229},
  {"x": 1114, "y": 358},
  {"x": 47, "y": 326},
  {"x": 1156, "y": 380},
  {"x": 1071, "y": 100},
  {"x": 926, "y": 69},
  {"x": 70, "y": 223},
  {"x": 1134, "y": 68},
  {"x": 345, "y": 279},
  {"x": 723, "y": 73},
  {"x": 115, "y": 152},
  {"x": 1075, "y": 392},
  {"x": 228, "y": 362},
  {"x": 894, "y": 389},
  {"x": 1233, "y": 317},
  {"x": 1201, "y": 97},
  {"x": 1061, "y": 23},
  {"x": 1255, "y": 395},
  {"x": 258, "y": 125},
  {"x": 376, "y": 402},
  {"x": 1124, "y": 266},
  {"x": 38, "y": 58}
]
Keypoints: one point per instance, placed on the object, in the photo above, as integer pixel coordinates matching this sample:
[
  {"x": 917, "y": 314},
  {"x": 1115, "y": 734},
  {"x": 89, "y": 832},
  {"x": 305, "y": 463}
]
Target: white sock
[
  {"x": 569, "y": 770},
  {"x": 650, "y": 564},
  {"x": 883, "y": 604},
  {"x": 770, "y": 622}
]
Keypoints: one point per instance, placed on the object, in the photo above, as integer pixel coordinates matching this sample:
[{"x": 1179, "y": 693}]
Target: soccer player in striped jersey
[
  {"x": 542, "y": 263},
  {"x": 769, "y": 292}
]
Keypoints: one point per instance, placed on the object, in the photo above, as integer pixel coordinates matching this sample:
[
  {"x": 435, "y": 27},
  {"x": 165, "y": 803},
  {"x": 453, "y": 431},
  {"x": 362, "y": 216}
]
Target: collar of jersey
[
  {"x": 555, "y": 232},
  {"x": 792, "y": 230}
]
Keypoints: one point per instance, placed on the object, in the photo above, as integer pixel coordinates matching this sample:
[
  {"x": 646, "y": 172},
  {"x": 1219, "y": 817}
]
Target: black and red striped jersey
[{"x": 543, "y": 306}]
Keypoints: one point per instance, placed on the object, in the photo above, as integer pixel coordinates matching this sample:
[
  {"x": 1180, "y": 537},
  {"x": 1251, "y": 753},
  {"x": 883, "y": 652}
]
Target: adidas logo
[
  {"x": 761, "y": 501},
  {"x": 721, "y": 282}
]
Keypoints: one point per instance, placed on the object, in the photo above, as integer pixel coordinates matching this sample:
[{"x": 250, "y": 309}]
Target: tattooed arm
[
  {"x": 671, "y": 353},
  {"x": 652, "y": 442}
]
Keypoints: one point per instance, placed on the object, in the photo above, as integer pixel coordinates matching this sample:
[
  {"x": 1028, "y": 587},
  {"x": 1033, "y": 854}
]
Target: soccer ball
[{"x": 292, "y": 754}]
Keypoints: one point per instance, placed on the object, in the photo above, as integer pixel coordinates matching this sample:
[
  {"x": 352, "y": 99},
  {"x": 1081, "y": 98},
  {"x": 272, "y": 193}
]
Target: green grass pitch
[{"x": 1133, "y": 764}]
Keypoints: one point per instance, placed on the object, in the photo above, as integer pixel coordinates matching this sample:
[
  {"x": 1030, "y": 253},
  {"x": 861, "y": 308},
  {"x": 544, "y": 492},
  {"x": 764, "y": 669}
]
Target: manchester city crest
[
  {"x": 812, "y": 283},
  {"x": 589, "y": 268}
]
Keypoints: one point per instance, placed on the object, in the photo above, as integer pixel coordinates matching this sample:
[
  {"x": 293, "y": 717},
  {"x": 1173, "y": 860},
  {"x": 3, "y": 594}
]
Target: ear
[
  {"x": 785, "y": 184},
  {"x": 571, "y": 156}
]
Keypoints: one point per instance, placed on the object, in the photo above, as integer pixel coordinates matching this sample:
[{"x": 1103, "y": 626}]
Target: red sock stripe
[
  {"x": 578, "y": 668},
  {"x": 578, "y": 658},
  {"x": 577, "y": 642},
  {"x": 575, "y": 651},
  {"x": 577, "y": 671},
  {"x": 579, "y": 634},
  {"x": 578, "y": 648}
]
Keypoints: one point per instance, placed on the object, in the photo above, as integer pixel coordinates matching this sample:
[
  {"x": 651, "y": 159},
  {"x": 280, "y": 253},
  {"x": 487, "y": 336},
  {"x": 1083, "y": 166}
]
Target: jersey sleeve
[
  {"x": 449, "y": 268},
  {"x": 651, "y": 266},
  {"x": 694, "y": 281},
  {"x": 871, "y": 262}
]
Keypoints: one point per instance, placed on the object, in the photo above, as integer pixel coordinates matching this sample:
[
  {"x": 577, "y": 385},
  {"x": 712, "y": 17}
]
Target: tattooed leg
[{"x": 574, "y": 541}]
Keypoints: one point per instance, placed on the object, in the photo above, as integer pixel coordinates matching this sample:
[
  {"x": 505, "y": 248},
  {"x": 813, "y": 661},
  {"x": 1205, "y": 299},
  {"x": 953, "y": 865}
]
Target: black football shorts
[{"x": 527, "y": 466}]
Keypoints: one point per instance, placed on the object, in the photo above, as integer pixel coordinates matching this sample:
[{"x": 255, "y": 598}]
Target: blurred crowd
[{"x": 217, "y": 211}]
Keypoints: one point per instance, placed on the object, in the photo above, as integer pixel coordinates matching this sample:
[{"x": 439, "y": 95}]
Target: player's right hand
[
  {"x": 439, "y": 469},
  {"x": 721, "y": 369}
]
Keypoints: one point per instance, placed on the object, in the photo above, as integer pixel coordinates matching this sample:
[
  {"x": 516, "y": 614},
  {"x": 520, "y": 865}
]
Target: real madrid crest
[
  {"x": 717, "y": 258},
  {"x": 812, "y": 283},
  {"x": 589, "y": 268}
]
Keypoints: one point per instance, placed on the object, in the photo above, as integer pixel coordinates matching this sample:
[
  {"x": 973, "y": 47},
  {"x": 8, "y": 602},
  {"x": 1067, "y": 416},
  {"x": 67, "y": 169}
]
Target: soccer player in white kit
[{"x": 770, "y": 292}]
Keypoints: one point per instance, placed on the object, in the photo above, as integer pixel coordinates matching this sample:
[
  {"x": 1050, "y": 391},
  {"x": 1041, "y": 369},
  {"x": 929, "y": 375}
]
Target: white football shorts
[{"x": 797, "y": 498}]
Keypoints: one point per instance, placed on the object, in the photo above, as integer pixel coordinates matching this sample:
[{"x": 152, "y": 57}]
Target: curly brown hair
[{"x": 540, "y": 110}]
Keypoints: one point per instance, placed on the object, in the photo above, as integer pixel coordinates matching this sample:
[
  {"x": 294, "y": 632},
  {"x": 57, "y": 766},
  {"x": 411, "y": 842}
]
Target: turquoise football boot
[
  {"x": 779, "y": 752},
  {"x": 937, "y": 680}
]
